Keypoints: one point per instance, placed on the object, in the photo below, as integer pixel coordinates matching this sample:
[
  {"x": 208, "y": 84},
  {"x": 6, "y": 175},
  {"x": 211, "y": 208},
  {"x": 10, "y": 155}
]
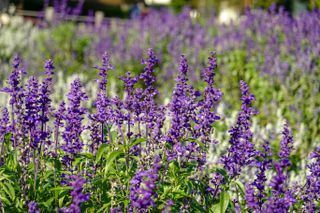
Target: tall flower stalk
[
  {"x": 103, "y": 104},
  {"x": 16, "y": 91},
  {"x": 74, "y": 127},
  {"x": 4, "y": 129},
  {"x": 242, "y": 150},
  {"x": 282, "y": 197},
  {"x": 45, "y": 103}
]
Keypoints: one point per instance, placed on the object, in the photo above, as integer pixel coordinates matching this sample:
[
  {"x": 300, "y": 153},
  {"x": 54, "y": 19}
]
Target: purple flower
[
  {"x": 74, "y": 116},
  {"x": 59, "y": 116},
  {"x": 33, "y": 207},
  {"x": 152, "y": 114},
  {"x": 103, "y": 72},
  {"x": 119, "y": 116},
  {"x": 167, "y": 208},
  {"x": 32, "y": 111},
  {"x": 241, "y": 151},
  {"x": 281, "y": 197},
  {"x": 104, "y": 114},
  {"x": 16, "y": 92},
  {"x": 311, "y": 190},
  {"x": 45, "y": 101},
  {"x": 115, "y": 210},
  {"x": 207, "y": 113},
  {"x": 130, "y": 100},
  {"x": 182, "y": 106},
  {"x": 148, "y": 75},
  {"x": 255, "y": 198},
  {"x": 4, "y": 129},
  {"x": 286, "y": 147},
  {"x": 142, "y": 188},
  {"x": 4, "y": 123},
  {"x": 77, "y": 183}
]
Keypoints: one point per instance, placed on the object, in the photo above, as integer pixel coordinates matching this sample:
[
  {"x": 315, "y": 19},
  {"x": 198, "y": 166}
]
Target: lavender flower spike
[
  {"x": 45, "y": 102},
  {"x": 286, "y": 146},
  {"x": 103, "y": 71},
  {"x": 254, "y": 198},
  {"x": 103, "y": 104},
  {"x": 311, "y": 193},
  {"x": 77, "y": 183},
  {"x": 16, "y": 92},
  {"x": 179, "y": 104},
  {"x": 32, "y": 107},
  {"x": 4, "y": 128},
  {"x": 33, "y": 207},
  {"x": 241, "y": 151},
  {"x": 207, "y": 114},
  {"x": 142, "y": 188},
  {"x": 74, "y": 116},
  {"x": 282, "y": 198}
]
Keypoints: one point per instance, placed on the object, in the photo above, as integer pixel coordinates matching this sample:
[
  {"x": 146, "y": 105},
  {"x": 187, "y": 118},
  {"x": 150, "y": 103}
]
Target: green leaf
[
  {"x": 48, "y": 203},
  {"x": 101, "y": 151},
  {"x": 112, "y": 156},
  {"x": 61, "y": 188},
  {"x": 240, "y": 187},
  {"x": 222, "y": 206},
  {"x": 5, "y": 200},
  {"x": 103, "y": 208},
  {"x": 86, "y": 155},
  {"x": 8, "y": 188},
  {"x": 61, "y": 200},
  {"x": 136, "y": 142}
]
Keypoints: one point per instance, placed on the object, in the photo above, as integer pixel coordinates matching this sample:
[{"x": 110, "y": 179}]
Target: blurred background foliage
[{"x": 121, "y": 8}]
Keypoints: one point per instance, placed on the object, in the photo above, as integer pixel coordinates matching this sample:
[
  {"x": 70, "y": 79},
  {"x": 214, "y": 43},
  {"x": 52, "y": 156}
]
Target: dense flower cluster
[
  {"x": 138, "y": 155},
  {"x": 142, "y": 189}
]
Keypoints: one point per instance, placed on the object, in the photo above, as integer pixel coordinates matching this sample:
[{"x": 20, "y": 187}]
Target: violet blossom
[
  {"x": 311, "y": 190},
  {"x": 77, "y": 183},
  {"x": 74, "y": 116},
  {"x": 142, "y": 188},
  {"x": 241, "y": 151}
]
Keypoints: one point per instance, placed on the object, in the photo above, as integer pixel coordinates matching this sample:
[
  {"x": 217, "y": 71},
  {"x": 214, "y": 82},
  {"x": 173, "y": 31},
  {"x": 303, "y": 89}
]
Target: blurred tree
[
  {"x": 314, "y": 4},
  {"x": 177, "y": 5}
]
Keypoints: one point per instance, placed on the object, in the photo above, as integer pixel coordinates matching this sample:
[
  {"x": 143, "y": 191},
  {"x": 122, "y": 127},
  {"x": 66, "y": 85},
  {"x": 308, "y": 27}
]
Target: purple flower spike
[
  {"x": 16, "y": 92},
  {"x": 45, "y": 101},
  {"x": 104, "y": 114},
  {"x": 32, "y": 107},
  {"x": 207, "y": 114},
  {"x": 282, "y": 197},
  {"x": 59, "y": 116},
  {"x": 241, "y": 151},
  {"x": 4, "y": 129},
  {"x": 142, "y": 188},
  {"x": 254, "y": 198},
  {"x": 103, "y": 71},
  {"x": 181, "y": 104},
  {"x": 286, "y": 147},
  {"x": 77, "y": 183},
  {"x": 4, "y": 123},
  {"x": 74, "y": 116},
  {"x": 311, "y": 192},
  {"x": 33, "y": 207},
  {"x": 148, "y": 75},
  {"x": 149, "y": 107}
]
